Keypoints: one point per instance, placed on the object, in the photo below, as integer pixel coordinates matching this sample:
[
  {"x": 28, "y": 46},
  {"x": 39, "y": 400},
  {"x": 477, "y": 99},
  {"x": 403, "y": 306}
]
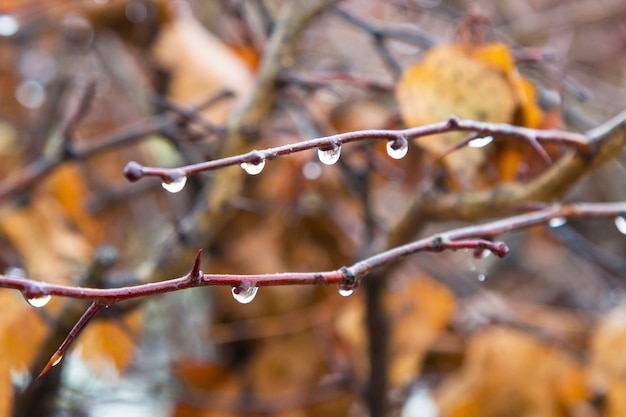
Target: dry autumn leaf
[
  {"x": 607, "y": 365},
  {"x": 419, "y": 310},
  {"x": 508, "y": 373},
  {"x": 471, "y": 82},
  {"x": 200, "y": 65},
  {"x": 55, "y": 237}
]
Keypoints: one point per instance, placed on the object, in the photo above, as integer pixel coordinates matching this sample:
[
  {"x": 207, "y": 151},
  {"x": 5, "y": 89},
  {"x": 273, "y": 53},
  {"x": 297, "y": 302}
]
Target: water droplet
[
  {"x": 480, "y": 142},
  {"x": 329, "y": 156},
  {"x": 57, "y": 360},
  {"x": 39, "y": 301},
  {"x": 397, "y": 148},
  {"x": 175, "y": 185},
  {"x": 346, "y": 291},
  {"x": 252, "y": 168},
  {"x": 557, "y": 222},
  {"x": 244, "y": 295},
  {"x": 481, "y": 277},
  {"x": 620, "y": 223}
]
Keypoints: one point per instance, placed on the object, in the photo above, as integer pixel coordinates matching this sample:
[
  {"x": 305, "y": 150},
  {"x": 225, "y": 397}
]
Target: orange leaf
[
  {"x": 607, "y": 365},
  {"x": 509, "y": 373},
  {"x": 200, "y": 65},
  {"x": 470, "y": 82},
  {"x": 419, "y": 310},
  {"x": 108, "y": 341}
]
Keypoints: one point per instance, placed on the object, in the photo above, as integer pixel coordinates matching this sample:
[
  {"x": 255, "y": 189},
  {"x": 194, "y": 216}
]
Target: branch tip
[
  {"x": 133, "y": 171},
  {"x": 91, "y": 311},
  {"x": 500, "y": 249},
  {"x": 54, "y": 360}
]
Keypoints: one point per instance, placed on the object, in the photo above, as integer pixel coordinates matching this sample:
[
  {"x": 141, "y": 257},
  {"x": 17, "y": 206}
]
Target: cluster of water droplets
[
  {"x": 175, "y": 183},
  {"x": 396, "y": 148},
  {"x": 244, "y": 294}
]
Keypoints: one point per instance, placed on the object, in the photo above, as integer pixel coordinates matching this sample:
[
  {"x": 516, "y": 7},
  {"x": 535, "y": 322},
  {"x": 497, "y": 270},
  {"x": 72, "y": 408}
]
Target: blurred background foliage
[{"x": 539, "y": 333}]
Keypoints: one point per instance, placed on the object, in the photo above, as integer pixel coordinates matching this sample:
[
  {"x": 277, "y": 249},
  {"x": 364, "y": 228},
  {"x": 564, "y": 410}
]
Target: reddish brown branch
[
  {"x": 474, "y": 237},
  {"x": 91, "y": 311},
  {"x": 135, "y": 171},
  {"x": 470, "y": 237},
  {"x": 127, "y": 135}
]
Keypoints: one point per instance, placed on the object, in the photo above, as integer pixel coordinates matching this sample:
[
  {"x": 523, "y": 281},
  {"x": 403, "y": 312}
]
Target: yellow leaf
[
  {"x": 66, "y": 185},
  {"x": 39, "y": 232},
  {"x": 419, "y": 309},
  {"x": 607, "y": 365},
  {"x": 200, "y": 65},
  {"x": 109, "y": 341},
  {"x": 508, "y": 373},
  {"x": 471, "y": 82}
]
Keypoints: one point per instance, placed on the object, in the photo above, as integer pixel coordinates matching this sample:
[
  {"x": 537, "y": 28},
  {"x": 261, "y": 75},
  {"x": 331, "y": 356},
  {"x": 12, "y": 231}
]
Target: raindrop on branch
[
  {"x": 253, "y": 168},
  {"x": 397, "y": 148},
  {"x": 346, "y": 291},
  {"x": 557, "y": 222},
  {"x": 57, "y": 359},
  {"x": 175, "y": 185},
  {"x": 620, "y": 223},
  {"x": 480, "y": 142},
  {"x": 329, "y": 156},
  {"x": 39, "y": 301},
  {"x": 244, "y": 295}
]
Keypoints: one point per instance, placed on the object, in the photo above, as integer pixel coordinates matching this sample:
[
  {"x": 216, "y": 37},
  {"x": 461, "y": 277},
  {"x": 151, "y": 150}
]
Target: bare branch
[
  {"x": 135, "y": 171},
  {"x": 91, "y": 311}
]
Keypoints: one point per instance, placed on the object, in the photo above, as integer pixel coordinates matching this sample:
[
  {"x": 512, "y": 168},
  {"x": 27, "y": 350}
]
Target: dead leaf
[
  {"x": 471, "y": 82},
  {"x": 508, "y": 373},
  {"x": 21, "y": 331},
  {"x": 419, "y": 309},
  {"x": 200, "y": 66},
  {"x": 67, "y": 187},
  {"x": 607, "y": 364},
  {"x": 105, "y": 342}
]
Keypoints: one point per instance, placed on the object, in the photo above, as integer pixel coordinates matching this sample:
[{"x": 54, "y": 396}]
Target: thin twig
[
  {"x": 38, "y": 169},
  {"x": 134, "y": 171},
  {"x": 606, "y": 142},
  {"x": 476, "y": 237},
  {"x": 91, "y": 311}
]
